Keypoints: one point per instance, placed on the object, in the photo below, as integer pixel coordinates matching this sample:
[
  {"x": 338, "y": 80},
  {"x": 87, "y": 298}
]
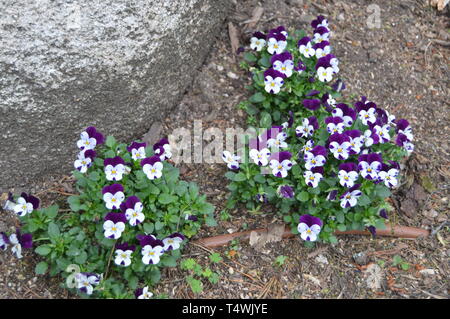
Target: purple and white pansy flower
[
  {"x": 309, "y": 227},
  {"x": 273, "y": 81},
  {"x": 114, "y": 225},
  {"x": 356, "y": 141},
  {"x": 320, "y": 21},
  {"x": 113, "y": 196},
  {"x": 172, "y": 242},
  {"x": 280, "y": 163},
  {"x": 309, "y": 145},
  {"x": 143, "y": 293},
  {"x": 305, "y": 47},
  {"x": 325, "y": 74},
  {"x": 137, "y": 150},
  {"x": 84, "y": 160},
  {"x": 259, "y": 152},
  {"x": 285, "y": 191},
  {"x": 345, "y": 112},
  {"x": 19, "y": 241},
  {"x": 276, "y": 43},
  {"x": 86, "y": 282},
  {"x": 4, "y": 241},
  {"x": 123, "y": 254},
  {"x": 321, "y": 34},
  {"x": 257, "y": 41},
  {"x": 25, "y": 204},
  {"x": 90, "y": 138},
  {"x": 307, "y": 128},
  {"x": 350, "y": 197},
  {"x": 283, "y": 63},
  {"x": 152, "y": 249},
  {"x": 231, "y": 160},
  {"x": 322, "y": 49},
  {"x": 163, "y": 149},
  {"x": 278, "y": 142},
  {"x": 334, "y": 124},
  {"x": 114, "y": 168},
  {"x": 383, "y": 133},
  {"x": 316, "y": 157},
  {"x": 389, "y": 174},
  {"x": 370, "y": 165},
  {"x": 404, "y": 128},
  {"x": 314, "y": 176},
  {"x": 348, "y": 174},
  {"x": 152, "y": 167},
  {"x": 132, "y": 208},
  {"x": 339, "y": 145},
  {"x": 370, "y": 138}
]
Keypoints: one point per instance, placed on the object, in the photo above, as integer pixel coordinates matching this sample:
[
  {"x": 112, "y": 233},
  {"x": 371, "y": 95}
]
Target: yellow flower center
[
  {"x": 123, "y": 256},
  {"x": 114, "y": 228},
  {"x": 311, "y": 178},
  {"x": 151, "y": 253},
  {"x": 113, "y": 200},
  {"x": 272, "y": 84},
  {"x": 280, "y": 167},
  {"x": 339, "y": 150},
  {"x": 313, "y": 161},
  {"x": 83, "y": 162},
  {"x": 275, "y": 46},
  {"x": 369, "y": 170},
  {"x": 346, "y": 178},
  {"x": 153, "y": 170},
  {"x": 308, "y": 231},
  {"x": 113, "y": 172},
  {"x": 258, "y": 42}
]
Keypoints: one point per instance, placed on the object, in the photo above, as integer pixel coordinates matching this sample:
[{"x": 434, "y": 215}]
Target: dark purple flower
[
  {"x": 92, "y": 133},
  {"x": 303, "y": 41},
  {"x": 401, "y": 139},
  {"x": 129, "y": 203},
  {"x": 284, "y": 56},
  {"x": 281, "y": 156},
  {"x": 257, "y": 144},
  {"x": 324, "y": 61},
  {"x": 402, "y": 124},
  {"x": 339, "y": 138},
  {"x": 135, "y": 146},
  {"x": 151, "y": 240},
  {"x": 300, "y": 66},
  {"x": 372, "y": 230},
  {"x": 278, "y": 37},
  {"x": 363, "y": 105},
  {"x": 191, "y": 218},
  {"x": 383, "y": 213},
  {"x": 313, "y": 92},
  {"x": 317, "y": 169},
  {"x": 311, "y": 104},
  {"x": 370, "y": 158},
  {"x": 291, "y": 119},
  {"x": 277, "y": 32},
  {"x": 259, "y": 35},
  {"x": 312, "y": 80},
  {"x": 344, "y": 111},
  {"x": 138, "y": 292},
  {"x": 321, "y": 30},
  {"x": 319, "y": 150},
  {"x": 310, "y": 220},
  {"x": 125, "y": 246},
  {"x": 338, "y": 86},
  {"x": 321, "y": 45},
  {"x": 317, "y": 21},
  {"x": 162, "y": 149},
  {"x": 113, "y": 161},
  {"x": 332, "y": 195},
  {"x": 348, "y": 167},
  {"x": 312, "y": 120},
  {"x": 25, "y": 240},
  {"x": 114, "y": 188},
  {"x": 271, "y": 133},
  {"x": 4, "y": 241},
  {"x": 274, "y": 74},
  {"x": 261, "y": 198},
  {"x": 285, "y": 191},
  {"x": 116, "y": 217},
  {"x": 150, "y": 160}
]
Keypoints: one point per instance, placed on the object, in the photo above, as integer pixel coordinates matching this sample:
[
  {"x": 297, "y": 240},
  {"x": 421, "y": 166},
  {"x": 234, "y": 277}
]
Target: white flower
[
  {"x": 350, "y": 198},
  {"x": 123, "y": 258},
  {"x": 151, "y": 255},
  {"x": 173, "y": 242},
  {"x": 23, "y": 208},
  {"x": 409, "y": 147},
  {"x": 407, "y": 132},
  {"x": 260, "y": 158},
  {"x": 320, "y": 53},
  {"x": 138, "y": 154},
  {"x": 280, "y": 169},
  {"x": 257, "y": 44},
  {"x": 153, "y": 171},
  {"x": 114, "y": 173},
  {"x": 113, "y": 201},
  {"x": 321, "y": 37},
  {"x": 86, "y": 282},
  {"x": 367, "y": 139},
  {"x": 167, "y": 152},
  {"x": 279, "y": 141},
  {"x": 369, "y": 171},
  {"x": 307, "y": 50},
  {"x": 312, "y": 179},
  {"x": 285, "y": 67},
  {"x": 113, "y": 230},
  {"x": 347, "y": 179},
  {"x": 356, "y": 144},
  {"x": 308, "y": 233},
  {"x": 145, "y": 294},
  {"x": 274, "y": 46},
  {"x": 85, "y": 142},
  {"x": 331, "y": 102},
  {"x": 272, "y": 85},
  {"x": 82, "y": 163},
  {"x": 305, "y": 130},
  {"x": 335, "y": 65},
  {"x": 16, "y": 246},
  {"x": 389, "y": 177},
  {"x": 325, "y": 75},
  {"x": 335, "y": 128},
  {"x": 135, "y": 215},
  {"x": 368, "y": 116},
  {"x": 231, "y": 160},
  {"x": 313, "y": 161},
  {"x": 308, "y": 146},
  {"x": 340, "y": 151}
]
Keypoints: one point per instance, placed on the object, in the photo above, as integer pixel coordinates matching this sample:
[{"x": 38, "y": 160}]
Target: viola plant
[
  {"x": 131, "y": 218},
  {"x": 323, "y": 162}
]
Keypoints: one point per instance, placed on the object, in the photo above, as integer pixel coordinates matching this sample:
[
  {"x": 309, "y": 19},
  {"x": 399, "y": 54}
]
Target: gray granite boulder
[{"x": 118, "y": 65}]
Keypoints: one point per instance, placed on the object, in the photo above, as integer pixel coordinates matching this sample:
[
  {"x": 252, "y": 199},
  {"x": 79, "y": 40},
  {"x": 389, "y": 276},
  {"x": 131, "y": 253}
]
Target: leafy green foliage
[{"x": 197, "y": 273}]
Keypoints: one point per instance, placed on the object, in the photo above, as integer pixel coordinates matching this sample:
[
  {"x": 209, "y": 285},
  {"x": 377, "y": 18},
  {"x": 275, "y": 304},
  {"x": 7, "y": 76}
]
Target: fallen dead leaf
[
  {"x": 315, "y": 280},
  {"x": 274, "y": 234},
  {"x": 374, "y": 276},
  {"x": 234, "y": 38},
  {"x": 256, "y": 16}
]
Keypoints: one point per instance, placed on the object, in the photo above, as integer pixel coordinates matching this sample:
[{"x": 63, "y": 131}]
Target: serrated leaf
[{"x": 41, "y": 268}]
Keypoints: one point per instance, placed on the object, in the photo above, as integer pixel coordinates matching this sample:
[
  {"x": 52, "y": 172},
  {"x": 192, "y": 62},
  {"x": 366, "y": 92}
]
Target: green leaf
[
  {"x": 333, "y": 239},
  {"x": 133, "y": 282},
  {"x": 265, "y": 61},
  {"x": 41, "y": 268},
  {"x": 210, "y": 221},
  {"x": 230, "y": 175},
  {"x": 397, "y": 260},
  {"x": 257, "y": 98},
  {"x": 149, "y": 227},
  {"x": 169, "y": 261},
  {"x": 240, "y": 177},
  {"x": 266, "y": 120},
  {"x": 81, "y": 258},
  {"x": 340, "y": 217},
  {"x": 303, "y": 196},
  {"x": 382, "y": 191},
  {"x": 250, "y": 57},
  {"x": 52, "y": 211},
  {"x": 53, "y": 230},
  {"x": 341, "y": 227},
  {"x": 364, "y": 200},
  {"x": 167, "y": 198},
  {"x": 43, "y": 250},
  {"x": 196, "y": 285},
  {"x": 215, "y": 258},
  {"x": 159, "y": 225},
  {"x": 259, "y": 178},
  {"x": 110, "y": 141},
  {"x": 155, "y": 276}
]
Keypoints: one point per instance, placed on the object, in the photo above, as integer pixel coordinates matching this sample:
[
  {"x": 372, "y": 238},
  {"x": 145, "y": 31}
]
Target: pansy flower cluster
[
  {"x": 331, "y": 159},
  {"x": 16, "y": 242}
]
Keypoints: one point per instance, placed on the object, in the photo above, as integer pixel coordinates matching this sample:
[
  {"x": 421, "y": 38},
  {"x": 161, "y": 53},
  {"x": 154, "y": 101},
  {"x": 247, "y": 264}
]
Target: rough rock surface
[{"x": 118, "y": 65}]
